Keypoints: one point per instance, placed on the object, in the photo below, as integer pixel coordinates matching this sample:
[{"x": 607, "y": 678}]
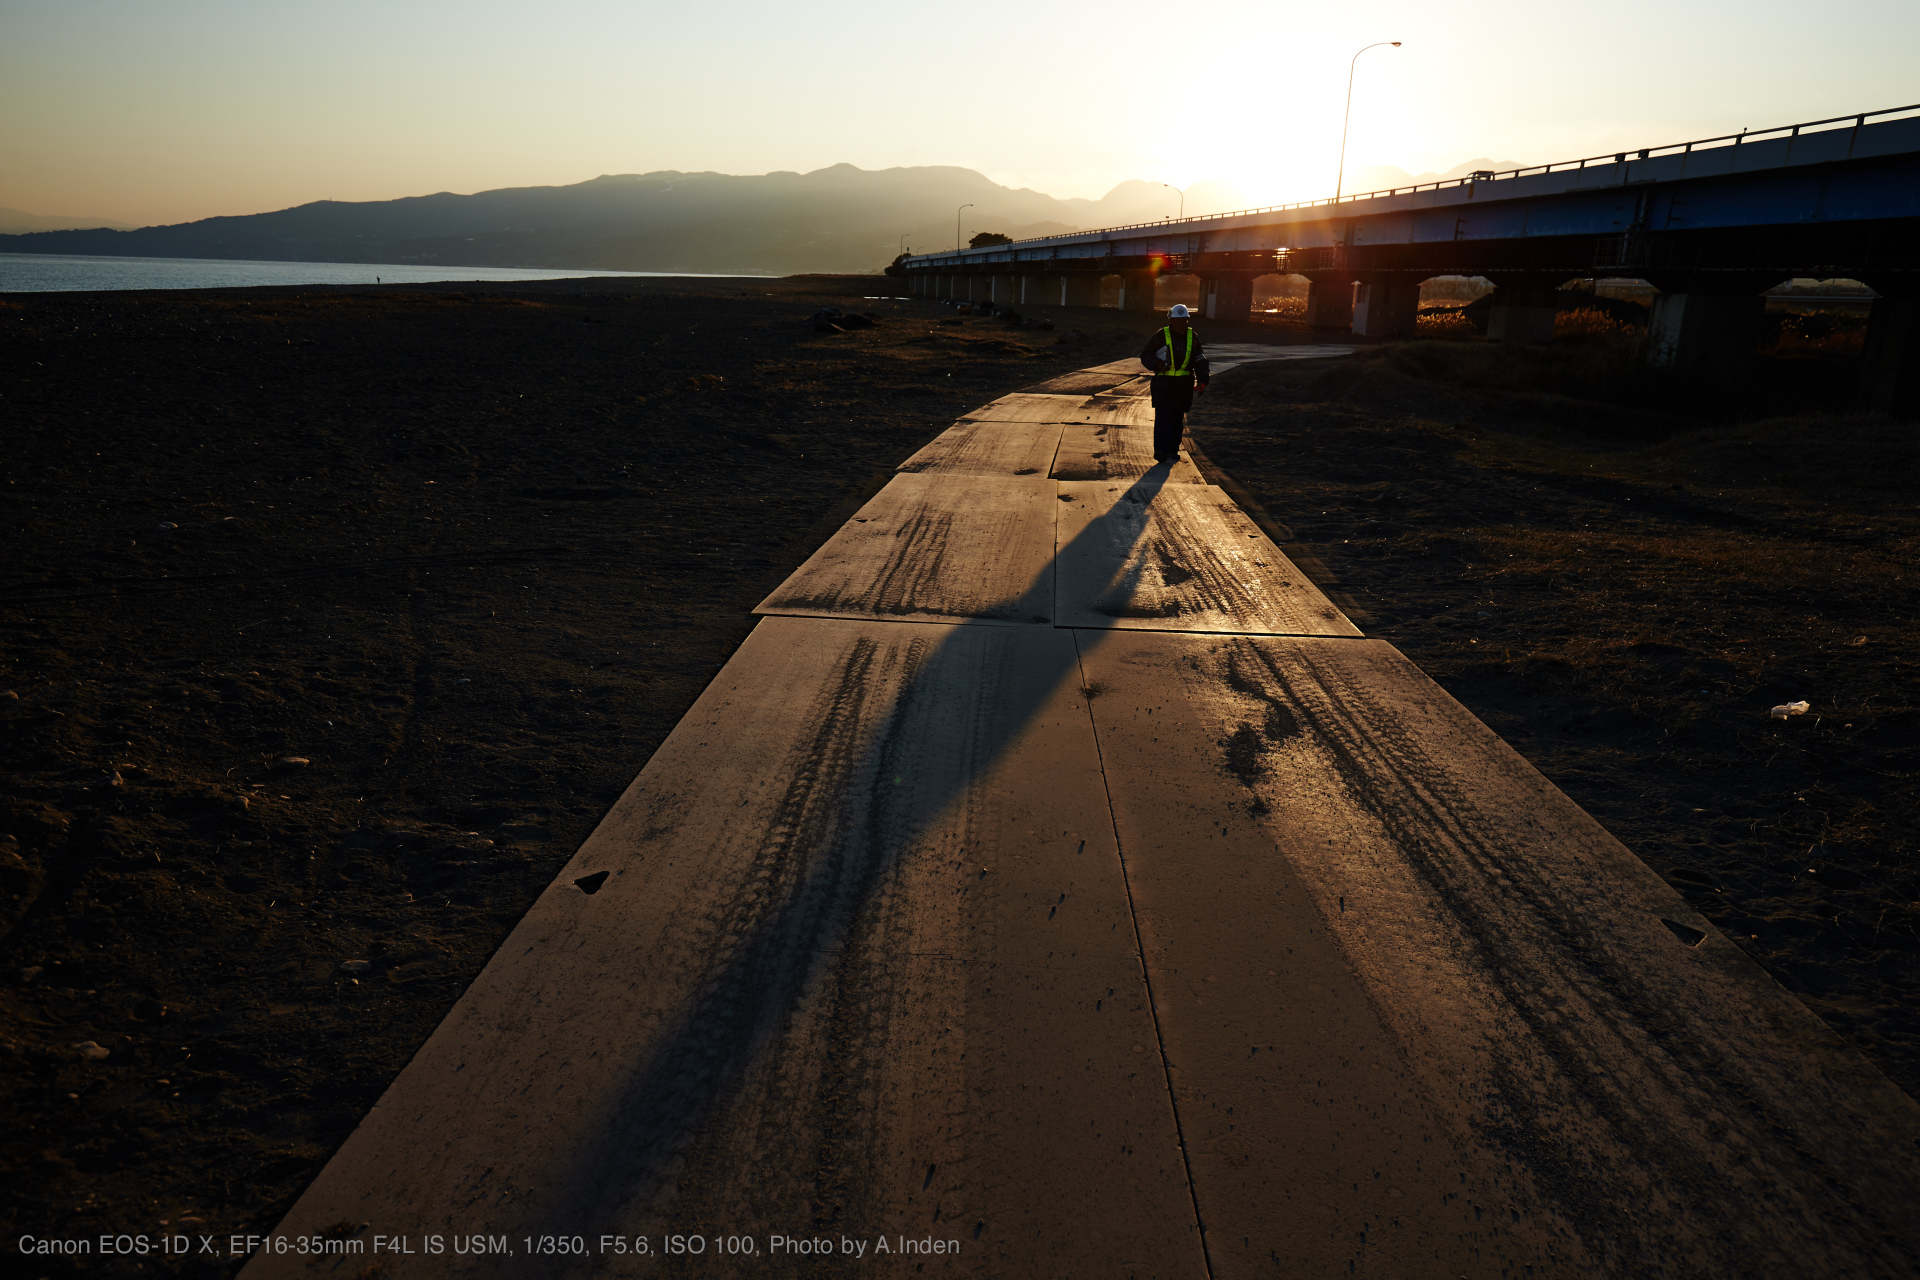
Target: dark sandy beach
[{"x": 336, "y": 619}]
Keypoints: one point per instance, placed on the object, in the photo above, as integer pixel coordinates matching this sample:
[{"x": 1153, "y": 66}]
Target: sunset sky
[{"x": 150, "y": 113}]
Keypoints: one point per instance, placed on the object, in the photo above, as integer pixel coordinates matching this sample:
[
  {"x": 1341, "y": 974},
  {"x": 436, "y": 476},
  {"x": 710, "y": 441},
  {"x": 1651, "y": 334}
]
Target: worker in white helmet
[{"x": 1177, "y": 360}]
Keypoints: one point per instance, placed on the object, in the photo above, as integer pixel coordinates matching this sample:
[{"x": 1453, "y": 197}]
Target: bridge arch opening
[
  {"x": 1443, "y": 300},
  {"x": 1453, "y": 291},
  {"x": 1280, "y": 296},
  {"x": 1169, "y": 290}
]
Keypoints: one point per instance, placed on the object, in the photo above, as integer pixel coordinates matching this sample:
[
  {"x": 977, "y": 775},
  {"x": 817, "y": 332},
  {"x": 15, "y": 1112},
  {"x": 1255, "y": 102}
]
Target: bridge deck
[
  {"x": 1837, "y": 174},
  {"x": 1090, "y": 951}
]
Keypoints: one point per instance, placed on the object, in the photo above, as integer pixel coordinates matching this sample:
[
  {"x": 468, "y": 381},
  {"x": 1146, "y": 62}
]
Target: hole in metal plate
[{"x": 1686, "y": 933}]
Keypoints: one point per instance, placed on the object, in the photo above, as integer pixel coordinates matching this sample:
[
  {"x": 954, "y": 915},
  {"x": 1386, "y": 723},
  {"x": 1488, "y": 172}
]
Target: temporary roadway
[{"x": 1057, "y": 884}]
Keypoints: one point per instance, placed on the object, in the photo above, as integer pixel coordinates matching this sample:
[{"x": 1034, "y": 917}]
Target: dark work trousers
[{"x": 1172, "y": 397}]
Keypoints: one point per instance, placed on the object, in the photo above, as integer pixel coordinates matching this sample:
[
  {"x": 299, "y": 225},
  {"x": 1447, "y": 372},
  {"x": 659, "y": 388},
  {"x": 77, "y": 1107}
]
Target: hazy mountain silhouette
[
  {"x": 1385, "y": 177},
  {"x": 1137, "y": 201},
  {"x": 15, "y": 221},
  {"x": 834, "y": 219}
]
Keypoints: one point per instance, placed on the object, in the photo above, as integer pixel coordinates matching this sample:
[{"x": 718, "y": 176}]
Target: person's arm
[
  {"x": 1149, "y": 354},
  {"x": 1202, "y": 367}
]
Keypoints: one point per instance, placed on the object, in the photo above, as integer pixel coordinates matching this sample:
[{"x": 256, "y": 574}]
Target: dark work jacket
[{"x": 1175, "y": 392}]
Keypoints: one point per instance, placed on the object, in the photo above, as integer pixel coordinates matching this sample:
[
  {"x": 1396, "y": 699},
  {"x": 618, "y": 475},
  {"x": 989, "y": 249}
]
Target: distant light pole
[
  {"x": 903, "y": 244},
  {"x": 956, "y": 225},
  {"x": 1341, "y": 178},
  {"x": 1183, "y": 199}
]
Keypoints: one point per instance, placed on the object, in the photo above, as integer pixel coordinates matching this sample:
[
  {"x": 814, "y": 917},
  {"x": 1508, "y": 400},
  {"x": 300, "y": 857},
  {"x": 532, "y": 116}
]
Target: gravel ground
[{"x": 1624, "y": 592}]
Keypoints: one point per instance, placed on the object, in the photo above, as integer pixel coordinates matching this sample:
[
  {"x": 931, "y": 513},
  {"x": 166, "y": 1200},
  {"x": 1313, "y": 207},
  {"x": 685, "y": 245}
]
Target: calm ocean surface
[{"x": 46, "y": 272}]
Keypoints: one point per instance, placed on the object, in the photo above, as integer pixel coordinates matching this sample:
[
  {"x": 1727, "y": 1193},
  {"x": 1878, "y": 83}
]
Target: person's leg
[{"x": 1168, "y": 424}]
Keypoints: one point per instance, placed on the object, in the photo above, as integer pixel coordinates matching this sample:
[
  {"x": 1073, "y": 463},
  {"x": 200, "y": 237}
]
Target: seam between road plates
[
  {"x": 1146, "y": 977},
  {"x": 1053, "y": 464}
]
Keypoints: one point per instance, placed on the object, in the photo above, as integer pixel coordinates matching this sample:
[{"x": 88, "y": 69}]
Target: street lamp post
[
  {"x": 1341, "y": 178},
  {"x": 1183, "y": 198},
  {"x": 956, "y": 225},
  {"x": 903, "y": 243}
]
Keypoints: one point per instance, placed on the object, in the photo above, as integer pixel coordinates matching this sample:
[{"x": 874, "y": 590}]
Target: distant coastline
[{"x": 54, "y": 273}]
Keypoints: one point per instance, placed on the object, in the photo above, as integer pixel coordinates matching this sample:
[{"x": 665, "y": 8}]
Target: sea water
[{"x": 48, "y": 272}]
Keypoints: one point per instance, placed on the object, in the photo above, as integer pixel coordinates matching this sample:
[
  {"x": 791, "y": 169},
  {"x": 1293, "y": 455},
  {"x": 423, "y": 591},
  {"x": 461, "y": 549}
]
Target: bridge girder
[
  {"x": 1888, "y": 248},
  {"x": 1710, "y": 229}
]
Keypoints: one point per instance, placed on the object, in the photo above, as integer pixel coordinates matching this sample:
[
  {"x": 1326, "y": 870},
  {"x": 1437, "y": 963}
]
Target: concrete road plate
[
  {"x": 1086, "y": 381},
  {"x": 1425, "y": 1017},
  {"x": 1027, "y": 407},
  {"x": 935, "y": 547},
  {"x": 1039, "y": 408},
  {"x": 1122, "y": 446},
  {"x": 1226, "y": 355},
  {"x": 851, "y": 959},
  {"x": 974, "y": 448},
  {"x": 1130, "y": 366},
  {"x": 1151, "y": 555},
  {"x": 1114, "y": 410}
]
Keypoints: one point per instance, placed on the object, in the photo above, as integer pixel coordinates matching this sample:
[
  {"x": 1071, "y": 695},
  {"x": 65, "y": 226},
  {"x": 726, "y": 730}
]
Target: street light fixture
[
  {"x": 956, "y": 225},
  {"x": 1183, "y": 199},
  {"x": 1341, "y": 179}
]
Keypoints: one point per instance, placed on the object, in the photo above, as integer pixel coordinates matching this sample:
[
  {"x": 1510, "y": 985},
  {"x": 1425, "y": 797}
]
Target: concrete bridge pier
[
  {"x": 1136, "y": 291},
  {"x": 1386, "y": 306},
  {"x": 1522, "y": 311},
  {"x": 1709, "y": 330},
  {"x": 1075, "y": 290},
  {"x": 1227, "y": 297},
  {"x": 1890, "y": 365},
  {"x": 1329, "y": 299}
]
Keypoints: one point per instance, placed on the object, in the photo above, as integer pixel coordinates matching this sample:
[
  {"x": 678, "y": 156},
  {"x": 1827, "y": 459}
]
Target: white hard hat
[{"x": 1178, "y": 311}]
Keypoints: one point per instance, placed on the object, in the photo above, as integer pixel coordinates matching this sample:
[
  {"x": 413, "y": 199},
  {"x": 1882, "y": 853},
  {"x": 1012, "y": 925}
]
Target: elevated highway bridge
[{"x": 1711, "y": 224}]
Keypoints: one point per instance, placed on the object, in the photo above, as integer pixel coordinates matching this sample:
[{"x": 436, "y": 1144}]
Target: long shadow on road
[{"x": 840, "y": 831}]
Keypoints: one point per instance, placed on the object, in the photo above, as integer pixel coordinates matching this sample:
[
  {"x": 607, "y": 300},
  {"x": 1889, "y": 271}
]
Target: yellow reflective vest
[{"x": 1177, "y": 365}]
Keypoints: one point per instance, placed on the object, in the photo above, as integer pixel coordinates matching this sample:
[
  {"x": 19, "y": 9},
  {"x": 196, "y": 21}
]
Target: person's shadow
[{"x": 831, "y": 846}]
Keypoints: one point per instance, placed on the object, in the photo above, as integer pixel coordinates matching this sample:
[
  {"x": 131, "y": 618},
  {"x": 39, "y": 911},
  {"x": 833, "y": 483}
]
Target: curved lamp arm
[{"x": 1342, "y": 176}]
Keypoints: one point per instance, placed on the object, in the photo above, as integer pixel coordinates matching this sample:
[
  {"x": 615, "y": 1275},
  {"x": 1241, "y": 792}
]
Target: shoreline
[{"x": 81, "y": 271}]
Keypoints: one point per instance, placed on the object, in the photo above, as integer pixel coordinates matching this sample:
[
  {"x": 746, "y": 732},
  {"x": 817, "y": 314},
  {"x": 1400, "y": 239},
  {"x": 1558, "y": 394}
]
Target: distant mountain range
[
  {"x": 840, "y": 219},
  {"x": 16, "y": 222}
]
